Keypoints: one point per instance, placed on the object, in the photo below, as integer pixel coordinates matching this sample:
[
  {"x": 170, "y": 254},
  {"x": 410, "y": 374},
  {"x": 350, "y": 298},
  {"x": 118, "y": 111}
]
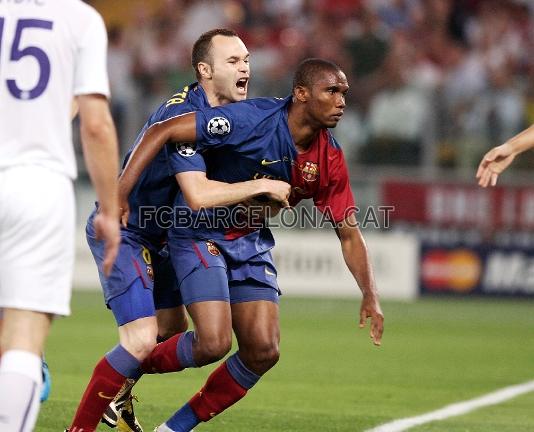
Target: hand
[
  {"x": 124, "y": 210},
  {"x": 278, "y": 191},
  {"x": 124, "y": 207},
  {"x": 370, "y": 308},
  {"x": 107, "y": 229},
  {"x": 494, "y": 163}
]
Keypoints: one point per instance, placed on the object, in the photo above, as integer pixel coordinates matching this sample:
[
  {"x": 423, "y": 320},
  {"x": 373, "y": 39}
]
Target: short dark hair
[
  {"x": 202, "y": 47},
  {"x": 308, "y": 70}
]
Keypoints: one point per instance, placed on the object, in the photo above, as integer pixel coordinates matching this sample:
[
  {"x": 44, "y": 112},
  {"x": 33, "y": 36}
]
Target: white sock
[{"x": 20, "y": 389}]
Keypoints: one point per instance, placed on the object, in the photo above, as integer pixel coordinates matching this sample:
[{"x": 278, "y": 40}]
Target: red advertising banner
[{"x": 460, "y": 205}]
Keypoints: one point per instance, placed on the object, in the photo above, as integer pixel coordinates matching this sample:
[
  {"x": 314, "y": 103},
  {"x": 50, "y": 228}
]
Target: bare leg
[
  {"x": 256, "y": 326},
  {"x": 171, "y": 321}
]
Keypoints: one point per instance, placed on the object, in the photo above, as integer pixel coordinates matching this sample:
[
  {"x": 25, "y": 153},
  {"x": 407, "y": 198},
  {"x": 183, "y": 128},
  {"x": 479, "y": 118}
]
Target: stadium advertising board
[
  {"x": 310, "y": 263},
  {"x": 460, "y": 205},
  {"x": 477, "y": 270},
  {"x": 473, "y": 240}
]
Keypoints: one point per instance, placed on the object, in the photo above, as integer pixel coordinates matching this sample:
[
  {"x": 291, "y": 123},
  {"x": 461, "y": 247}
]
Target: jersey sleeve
[
  {"x": 91, "y": 75},
  {"x": 183, "y": 157},
  {"x": 231, "y": 124},
  {"x": 336, "y": 199}
]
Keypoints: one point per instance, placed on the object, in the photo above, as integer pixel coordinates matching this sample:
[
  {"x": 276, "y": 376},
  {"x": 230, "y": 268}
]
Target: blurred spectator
[
  {"x": 432, "y": 81},
  {"x": 122, "y": 85}
]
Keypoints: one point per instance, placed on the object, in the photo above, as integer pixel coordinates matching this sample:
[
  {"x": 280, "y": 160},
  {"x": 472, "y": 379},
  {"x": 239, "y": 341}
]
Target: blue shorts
[
  {"x": 137, "y": 261},
  {"x": 205, "y": 272},
  {"x": 211, "y": 284},
  {"x": 136, "y": 302}
]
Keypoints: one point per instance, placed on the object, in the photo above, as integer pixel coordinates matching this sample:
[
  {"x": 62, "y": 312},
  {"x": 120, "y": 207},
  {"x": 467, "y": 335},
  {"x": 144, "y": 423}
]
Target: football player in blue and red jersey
[
  {"x": 226, "y": 276},
  {"x": 142, "y": 279}
]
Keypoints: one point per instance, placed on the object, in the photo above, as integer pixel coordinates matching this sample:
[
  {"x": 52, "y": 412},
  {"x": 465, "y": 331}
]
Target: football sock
[
  {"x": 173, "y": 355},
  {"x": 225, "y": 386},
  {"x": 108, "y": 377},
  {"x": 124, "y": 362},
  {"x": 20, "y": 387}
]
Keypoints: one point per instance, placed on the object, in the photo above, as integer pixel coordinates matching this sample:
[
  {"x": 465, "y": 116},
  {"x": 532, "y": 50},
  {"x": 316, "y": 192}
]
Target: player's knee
[
  {"x": 169, "y": 331},
  {"x": 140, "y": 345},
  {"x": 171, "y": 322},
  {"x": 143, "y": 348},
  {"x": 263, "y": 357},
  {"x": 213, "y": 349}
]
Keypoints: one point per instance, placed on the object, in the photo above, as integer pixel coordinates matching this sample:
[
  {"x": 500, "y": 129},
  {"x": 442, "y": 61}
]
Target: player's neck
[
  {"x": 302, "y": 129},
  {"x": 216, "y": 100}
]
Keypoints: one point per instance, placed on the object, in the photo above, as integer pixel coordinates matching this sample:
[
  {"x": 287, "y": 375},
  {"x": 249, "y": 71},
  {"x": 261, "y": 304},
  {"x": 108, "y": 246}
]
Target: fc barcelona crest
[
  {"x": 150, "y": 272},
  {"x": 148, "y": 261},
  {"x": 309, "y": 170},
  {"x": 212, "y": 249}
]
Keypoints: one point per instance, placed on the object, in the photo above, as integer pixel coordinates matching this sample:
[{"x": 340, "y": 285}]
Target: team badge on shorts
[
  {"x": 212, "y": 249},
  {"x": 186, "y": 149},
  {"x": 218, "y": 126},
  {"x": 148, "y": 261},
  {"x": 150, "y": 272},
  {"x": 309, "y": 170}
]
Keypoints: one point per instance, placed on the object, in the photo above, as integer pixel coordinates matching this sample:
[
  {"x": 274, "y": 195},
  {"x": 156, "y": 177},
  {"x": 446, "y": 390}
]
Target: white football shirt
[{"x": 50, "y": 51}]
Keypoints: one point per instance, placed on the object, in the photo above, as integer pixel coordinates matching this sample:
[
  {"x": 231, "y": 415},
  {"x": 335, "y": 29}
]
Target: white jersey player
[{"x": 51, "y": 52}]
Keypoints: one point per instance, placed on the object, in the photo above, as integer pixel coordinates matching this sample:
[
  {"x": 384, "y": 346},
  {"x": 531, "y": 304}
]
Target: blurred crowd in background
[{"x": 434, "y": 83}]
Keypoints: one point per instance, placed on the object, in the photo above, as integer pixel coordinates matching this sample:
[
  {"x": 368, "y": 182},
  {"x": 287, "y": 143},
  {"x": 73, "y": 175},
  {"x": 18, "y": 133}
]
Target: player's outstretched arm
[
  {"x": 99, "y": 141},
  {"x": 499, "y": 158},
  {"x": 357, "y": 259},
  {"x": 199, "y": 191},
  {"x": 179, "y": 129}
]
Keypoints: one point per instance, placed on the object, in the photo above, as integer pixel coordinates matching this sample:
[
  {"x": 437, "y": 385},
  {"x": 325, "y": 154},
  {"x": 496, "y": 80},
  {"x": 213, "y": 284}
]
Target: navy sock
[
  {"x": 183, "y": 420},
  {"x": 243, "y": 375},
  {"x": 124, "y": 362},
  {"x": 184, "y": 350}
]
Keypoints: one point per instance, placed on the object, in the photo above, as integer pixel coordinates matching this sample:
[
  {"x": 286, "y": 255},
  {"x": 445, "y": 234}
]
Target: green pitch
[{"x": 330, "y": 377}]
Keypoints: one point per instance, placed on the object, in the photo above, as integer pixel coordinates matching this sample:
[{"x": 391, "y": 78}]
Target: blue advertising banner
[{"x": 481, "y": 269}]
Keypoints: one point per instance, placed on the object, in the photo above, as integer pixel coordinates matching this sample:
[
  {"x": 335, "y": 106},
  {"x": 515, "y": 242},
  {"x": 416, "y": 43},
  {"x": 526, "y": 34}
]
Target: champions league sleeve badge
[
  {"x": 186, "y": 149},
  {"x": 218, "y": 126}
]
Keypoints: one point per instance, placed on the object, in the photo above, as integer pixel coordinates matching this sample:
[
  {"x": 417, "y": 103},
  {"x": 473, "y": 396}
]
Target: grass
[{"x": 330, "y": 377}]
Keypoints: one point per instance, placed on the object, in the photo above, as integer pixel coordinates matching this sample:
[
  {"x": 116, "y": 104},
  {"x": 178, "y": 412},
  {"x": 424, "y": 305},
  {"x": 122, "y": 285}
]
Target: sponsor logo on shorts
[
  {"x": 212, "y": 249},
  {"x": 269, "y": 272},
  {"x": 104, "y": 396}
]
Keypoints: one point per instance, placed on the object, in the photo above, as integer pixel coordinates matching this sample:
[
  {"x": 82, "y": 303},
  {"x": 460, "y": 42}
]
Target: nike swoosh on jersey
[
  {"x": 266, "y": 162},
  {"x": 104, "y": 396}
]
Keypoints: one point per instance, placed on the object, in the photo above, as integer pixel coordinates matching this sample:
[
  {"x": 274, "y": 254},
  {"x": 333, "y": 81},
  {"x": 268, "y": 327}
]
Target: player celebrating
[
  {"x": 272, "y": 138},
  {"x": 499, "y": 158},
  {"x": 51, "y": 53},
  {"x": 142, "y": 279}
]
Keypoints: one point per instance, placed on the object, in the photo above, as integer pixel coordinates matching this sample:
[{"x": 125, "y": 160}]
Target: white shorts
[{"x": 37, "y": 223}]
